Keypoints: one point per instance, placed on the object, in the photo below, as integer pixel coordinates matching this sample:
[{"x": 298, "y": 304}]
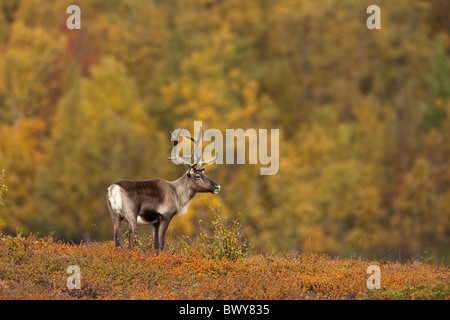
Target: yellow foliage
[{"x": 363, "y": 116}]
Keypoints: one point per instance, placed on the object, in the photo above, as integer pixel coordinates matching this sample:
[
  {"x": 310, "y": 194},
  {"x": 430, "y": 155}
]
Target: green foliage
[
  {"x": 439, "y": 79},
  {"x": 439, "y": 84},
  {"x": 439, "y": 291},
  {"x": 3, "y": 187},
  {"x": 225, "y": 240}
]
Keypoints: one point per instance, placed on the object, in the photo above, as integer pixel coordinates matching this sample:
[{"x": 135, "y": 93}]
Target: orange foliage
[{"x": 35, "y": 268}]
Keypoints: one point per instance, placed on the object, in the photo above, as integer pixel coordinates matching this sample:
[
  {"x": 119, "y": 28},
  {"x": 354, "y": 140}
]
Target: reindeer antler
[
  {"x": 175, "y": 144},
  {"x": 194, "y": 156},
  {"x": 201, "y": 163},
  {"x": 194, "y": 153}
]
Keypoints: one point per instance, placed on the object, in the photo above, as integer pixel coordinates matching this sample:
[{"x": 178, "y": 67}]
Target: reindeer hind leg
[
  {"x": 115, "y": 216},
  {"x": 131, "y": 233}
]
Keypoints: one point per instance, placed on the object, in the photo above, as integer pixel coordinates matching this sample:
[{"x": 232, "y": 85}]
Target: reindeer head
[{"x": 195, "y": 175}]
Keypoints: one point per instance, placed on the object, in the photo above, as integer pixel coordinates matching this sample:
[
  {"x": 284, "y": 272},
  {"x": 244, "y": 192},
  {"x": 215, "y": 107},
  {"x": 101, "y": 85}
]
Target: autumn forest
[{"x": 363, "y": 118}]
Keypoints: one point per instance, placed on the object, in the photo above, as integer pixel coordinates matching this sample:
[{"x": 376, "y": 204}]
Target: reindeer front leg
[
  {"x": 164, "y": 223},
  {"x": 156, "y": 235}
]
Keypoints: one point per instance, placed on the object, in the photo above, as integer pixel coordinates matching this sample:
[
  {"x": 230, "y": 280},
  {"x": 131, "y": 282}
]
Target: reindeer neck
[{"x": 183, "y": 190}]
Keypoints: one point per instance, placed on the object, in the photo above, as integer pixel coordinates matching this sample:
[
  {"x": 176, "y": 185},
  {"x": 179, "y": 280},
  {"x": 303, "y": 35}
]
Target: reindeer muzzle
[{"x": 216, "y": 189}]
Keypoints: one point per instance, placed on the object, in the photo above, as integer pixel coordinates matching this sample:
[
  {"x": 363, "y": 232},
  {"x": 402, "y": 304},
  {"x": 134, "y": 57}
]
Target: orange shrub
[{"x": 35, "y": 268}]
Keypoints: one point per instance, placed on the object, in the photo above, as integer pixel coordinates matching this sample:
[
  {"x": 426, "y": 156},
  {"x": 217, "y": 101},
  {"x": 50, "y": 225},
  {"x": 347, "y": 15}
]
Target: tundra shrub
[
  {"x": 226, "y": 240},
  {"x": 3, "y": 187}
]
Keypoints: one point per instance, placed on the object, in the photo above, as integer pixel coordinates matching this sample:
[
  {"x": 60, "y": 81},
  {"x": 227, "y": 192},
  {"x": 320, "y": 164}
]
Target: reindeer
[{"x": 157, "y": 201}]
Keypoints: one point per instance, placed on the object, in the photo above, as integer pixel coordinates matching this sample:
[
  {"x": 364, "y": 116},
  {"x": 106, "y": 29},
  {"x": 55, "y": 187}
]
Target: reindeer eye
[{"x": 197, "y": 176}]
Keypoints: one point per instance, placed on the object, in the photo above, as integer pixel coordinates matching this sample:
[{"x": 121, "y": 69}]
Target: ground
[{"x": 36, "y": 268}]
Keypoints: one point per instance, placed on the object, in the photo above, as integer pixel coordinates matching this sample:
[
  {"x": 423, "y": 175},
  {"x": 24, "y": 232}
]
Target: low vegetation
[
  {"x": 217, "y": 266},
  {"x": 3, "y": 187}
]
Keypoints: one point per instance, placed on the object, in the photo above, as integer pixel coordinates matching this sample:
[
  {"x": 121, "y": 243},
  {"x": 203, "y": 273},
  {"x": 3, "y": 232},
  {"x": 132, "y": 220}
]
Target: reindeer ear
[{"x": 190, "y": 172}]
